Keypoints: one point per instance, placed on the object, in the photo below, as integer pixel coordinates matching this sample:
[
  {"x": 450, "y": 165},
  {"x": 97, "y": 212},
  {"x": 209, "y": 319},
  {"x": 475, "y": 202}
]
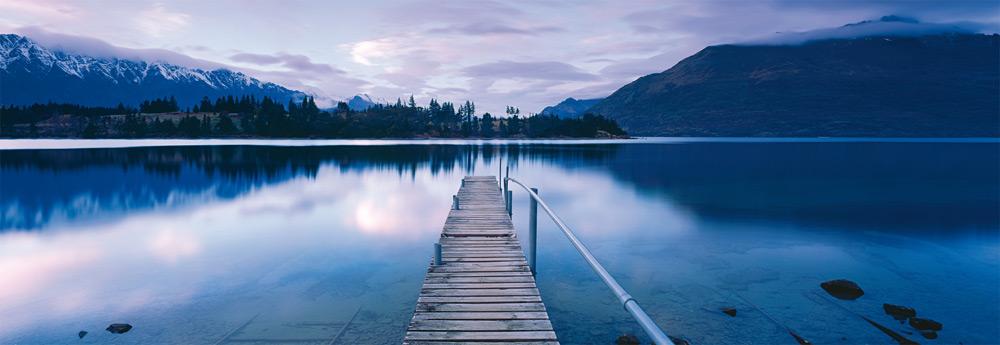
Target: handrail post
[
  {"x": 454, "y": 202},
  {"x": 437, "y": 254},
  {"x": 532, "y": 231}
]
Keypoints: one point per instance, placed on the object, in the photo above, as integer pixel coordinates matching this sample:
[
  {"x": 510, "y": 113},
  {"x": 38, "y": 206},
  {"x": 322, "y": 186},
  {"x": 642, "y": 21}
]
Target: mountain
[
  {"x": 932, "y": 85},
  {"x": 570, "y": 107},
  {"x": 31, "y": 73},
  {"x": 360, "y": 102}
]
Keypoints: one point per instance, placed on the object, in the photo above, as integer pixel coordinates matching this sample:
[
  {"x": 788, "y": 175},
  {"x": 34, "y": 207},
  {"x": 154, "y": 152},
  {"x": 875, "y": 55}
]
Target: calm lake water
[{"x": 325, "y": 241}]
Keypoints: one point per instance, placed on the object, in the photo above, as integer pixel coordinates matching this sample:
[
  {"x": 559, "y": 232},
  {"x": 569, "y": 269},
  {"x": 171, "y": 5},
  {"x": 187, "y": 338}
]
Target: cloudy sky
[{"x": 523, "y": 53}]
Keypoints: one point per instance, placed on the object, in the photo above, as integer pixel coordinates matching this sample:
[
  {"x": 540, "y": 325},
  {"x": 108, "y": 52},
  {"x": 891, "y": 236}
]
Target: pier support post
[
  {"x": 532, "y": 231},
  {"x": 505, "y": 182},
  {"x": 437, "y": 254},
  {"x": 454, "y": 202},
  {"x": 510, "y": 197}
]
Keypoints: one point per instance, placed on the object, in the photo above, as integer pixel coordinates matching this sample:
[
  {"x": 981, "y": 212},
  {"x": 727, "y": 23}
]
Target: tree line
[{"x": 248, "y": 116}]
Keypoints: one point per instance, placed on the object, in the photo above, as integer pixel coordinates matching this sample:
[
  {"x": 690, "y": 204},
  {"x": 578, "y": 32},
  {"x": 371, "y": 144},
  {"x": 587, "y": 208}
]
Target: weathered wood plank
[
  {"x": 478, "y": 292},
  {"x": 468, "y": 268},
  {"x": 433, "y": 274},
  {"x": 475, "y": 259},
  {"x": 459, "y": 280},
  {"x": 477, "y": 343},
  {"x": 481, "y": 307},
  {"x": 457, "y": 255},
  {"x": 479, "y": 285},
  {"x": 509, "y": 336},
  {"x": 479, "y": 299},
  {"x": 510, "y": 315},
  {"x": 484, "y": 263},
  {"x": 480, "y": 325}
]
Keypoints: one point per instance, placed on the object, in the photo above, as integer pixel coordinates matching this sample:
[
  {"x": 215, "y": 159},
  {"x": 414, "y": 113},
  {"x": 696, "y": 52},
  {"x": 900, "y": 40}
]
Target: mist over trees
[{"x": 249, "y": 117}]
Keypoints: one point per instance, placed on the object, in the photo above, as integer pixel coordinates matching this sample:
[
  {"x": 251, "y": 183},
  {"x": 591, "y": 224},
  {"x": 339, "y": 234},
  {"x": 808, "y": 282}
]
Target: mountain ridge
[
  {"x": 570, "y": 107},
  {"x": 944, "y": 84},
  {"x": 31, "y": 73}
]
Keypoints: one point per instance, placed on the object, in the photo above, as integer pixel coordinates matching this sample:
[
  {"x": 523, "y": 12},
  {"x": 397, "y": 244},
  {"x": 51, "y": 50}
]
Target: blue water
[{"x": 329, "y": 241}]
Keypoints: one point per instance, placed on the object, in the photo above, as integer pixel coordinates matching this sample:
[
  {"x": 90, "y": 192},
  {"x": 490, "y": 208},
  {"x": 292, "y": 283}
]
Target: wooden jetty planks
[{"x": 484, "y": 291}]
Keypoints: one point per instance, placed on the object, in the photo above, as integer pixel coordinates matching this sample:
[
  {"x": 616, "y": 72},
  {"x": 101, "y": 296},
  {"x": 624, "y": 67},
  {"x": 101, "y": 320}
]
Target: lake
[{"x": 320, "y": 242}]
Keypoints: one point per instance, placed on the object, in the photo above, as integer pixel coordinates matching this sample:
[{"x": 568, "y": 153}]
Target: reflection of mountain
[
  {"x": 40, "y": 186},
  {"x": 869, "y": 185}
]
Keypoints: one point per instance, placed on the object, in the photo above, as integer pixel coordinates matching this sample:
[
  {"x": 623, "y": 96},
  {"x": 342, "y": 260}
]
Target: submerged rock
[
  {"x": 678, "y": 341},
  {"x": 82, "y": 334},
  {"x": 898, "y": 312},
  {"x": 627, "y": 339},
  {"x": 929, "y": 334},
  {"x": 925, "y": 324},
  {"x": 119, "y": 328},
  {"x": 843, "y": 289},
  {"x": 729, "y": 311}
]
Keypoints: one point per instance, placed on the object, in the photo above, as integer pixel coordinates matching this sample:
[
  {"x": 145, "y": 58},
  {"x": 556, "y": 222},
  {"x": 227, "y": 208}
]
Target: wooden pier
[{"x": 483, "y": 292}]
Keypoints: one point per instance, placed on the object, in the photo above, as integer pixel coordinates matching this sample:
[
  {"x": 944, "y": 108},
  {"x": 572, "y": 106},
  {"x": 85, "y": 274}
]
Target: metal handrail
[{"x": 652, "y": 330}]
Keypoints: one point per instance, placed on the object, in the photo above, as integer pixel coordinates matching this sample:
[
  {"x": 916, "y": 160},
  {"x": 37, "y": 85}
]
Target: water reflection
[
  {"x": 907, "y": 186},
  {"x": 202, "y": 244},
  {"x": 903, "y": 185},
  {"x": 41, "y": 186}
]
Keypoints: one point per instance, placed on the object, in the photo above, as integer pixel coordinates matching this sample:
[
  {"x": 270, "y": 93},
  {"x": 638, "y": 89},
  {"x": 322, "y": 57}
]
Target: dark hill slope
[{"x": 941, "y": 85}]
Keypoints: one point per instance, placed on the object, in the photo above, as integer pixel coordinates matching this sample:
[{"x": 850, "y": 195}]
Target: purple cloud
[
  {"x": 481, "y": 29},
  {"x": 452, "y": 11},
  {"x": 886, "y": 26},
  {"x": 101, "y": 49},
  {"x": 256, "y": 59},
  {"x": 295, "y": 62},
  {"x": 927, "y": 9},
  {"x": 544, "y": 70}
]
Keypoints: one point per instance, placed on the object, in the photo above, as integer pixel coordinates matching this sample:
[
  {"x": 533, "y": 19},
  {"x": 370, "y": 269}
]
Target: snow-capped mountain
[
  {"x": 31, "y": 73},
  {"x": 362, "y": 101}
]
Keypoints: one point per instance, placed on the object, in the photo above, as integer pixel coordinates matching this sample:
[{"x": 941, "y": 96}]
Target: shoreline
[{"x": 42, "y": 144}]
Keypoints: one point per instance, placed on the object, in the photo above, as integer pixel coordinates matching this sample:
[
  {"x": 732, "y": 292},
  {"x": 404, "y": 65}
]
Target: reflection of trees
[
  {"x": 82, "y": 183},
  {"x": 879, "y": 185}
]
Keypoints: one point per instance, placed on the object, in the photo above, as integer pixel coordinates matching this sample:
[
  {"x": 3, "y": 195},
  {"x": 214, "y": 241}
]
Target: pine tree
[
  {"x": 225, "y": 125},
  {"x": 206, "y": 105},
  {"x": 206, "y": 126}
]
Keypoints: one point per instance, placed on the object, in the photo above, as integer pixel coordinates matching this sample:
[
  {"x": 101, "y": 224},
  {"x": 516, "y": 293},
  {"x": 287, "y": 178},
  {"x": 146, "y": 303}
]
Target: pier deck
[{"x": 484, "y": 291}]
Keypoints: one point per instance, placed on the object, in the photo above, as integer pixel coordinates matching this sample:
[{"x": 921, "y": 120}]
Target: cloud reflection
[{"x": 188, "y": 254}]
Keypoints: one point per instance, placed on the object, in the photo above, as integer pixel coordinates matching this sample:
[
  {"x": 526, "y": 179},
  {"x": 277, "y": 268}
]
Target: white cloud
[
  {"x": 158, "y": 21},
  {"x": 365, "y": 52}
]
